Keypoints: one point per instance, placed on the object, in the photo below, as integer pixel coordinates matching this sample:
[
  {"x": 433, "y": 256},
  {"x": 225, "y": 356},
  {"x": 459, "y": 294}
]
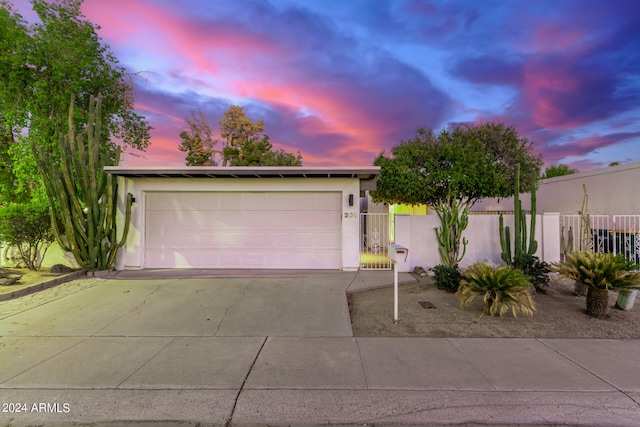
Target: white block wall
[{"x": 418, "y": 234}]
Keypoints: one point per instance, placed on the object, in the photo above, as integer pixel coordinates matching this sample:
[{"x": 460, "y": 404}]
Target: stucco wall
[
  {"x": 54, "y": 255},
  {"x": 132, "y": 254},
  {"x": 417, "y": 233},
  {"x": 612, "y": 191}
]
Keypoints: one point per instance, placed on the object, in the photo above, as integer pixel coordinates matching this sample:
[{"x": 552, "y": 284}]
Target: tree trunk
[
  {"x": 598, "y": 303},
  {"x": 580, "y": 289}
]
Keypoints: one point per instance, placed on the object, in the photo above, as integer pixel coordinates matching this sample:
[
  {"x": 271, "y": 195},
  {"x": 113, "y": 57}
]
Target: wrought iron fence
[
  {"x": 617, "y": 234},
  {"x": 374, "y": 241}
]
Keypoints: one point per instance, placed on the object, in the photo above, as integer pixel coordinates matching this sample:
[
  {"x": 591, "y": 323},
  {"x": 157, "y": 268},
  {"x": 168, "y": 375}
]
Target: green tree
[
  {"x": 197, "y": 141},
  {"x": 237, "y": 129},
  {"x": 452, "y": 171},
  {"x": 244, "y": 145},
  {"x": 558, "y": 170},
  {"x": 27, "y": 228},
  {"x": 42, "y": 66},
  {"x": 260, "y": 153}
]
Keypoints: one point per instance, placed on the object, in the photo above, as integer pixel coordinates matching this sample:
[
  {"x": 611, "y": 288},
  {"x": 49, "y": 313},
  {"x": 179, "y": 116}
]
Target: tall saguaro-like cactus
[
  {"x": 82, "y": 198},
  {"x": 453, "y": 222},
  {"x": 519, "y": 226}
]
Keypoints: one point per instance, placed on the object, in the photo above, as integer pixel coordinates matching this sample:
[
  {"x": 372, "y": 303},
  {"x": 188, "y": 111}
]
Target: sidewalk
[{"x": 277, "y": 350}]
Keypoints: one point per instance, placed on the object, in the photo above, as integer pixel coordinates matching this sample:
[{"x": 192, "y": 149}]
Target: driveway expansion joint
[{"x": 244, "y": 381}]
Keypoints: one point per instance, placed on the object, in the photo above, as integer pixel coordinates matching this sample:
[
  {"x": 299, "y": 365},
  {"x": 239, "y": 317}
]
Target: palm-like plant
[
  {"x": 601, "y": 272},
  {"x": 502, "y": 288}
]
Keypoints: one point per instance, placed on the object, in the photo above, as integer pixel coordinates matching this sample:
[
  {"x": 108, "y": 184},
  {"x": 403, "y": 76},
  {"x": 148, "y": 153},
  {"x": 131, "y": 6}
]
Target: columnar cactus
[
  {"x": 82, "y": 198},
  {"x": 520, "y": 226},
  {"x": 585, "y": 223},
  {"x": 449, "y": 234}
]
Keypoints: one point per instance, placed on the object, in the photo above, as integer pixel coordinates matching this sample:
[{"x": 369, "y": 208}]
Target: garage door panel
[
  {"x": 326, "y": 240},
  {"x": 326, "y": 259},
  {"x": 272, "y": 219},
  {"x": 297, "y": 240},
  {"x": 241, "y": 239},
  {"x": 326, "y": 202},
  {"x": 252, "y": 201},
  {"x": 159, "y": 220},
  {"x": 294, "y": 220},
  {"x": 243, "y": 230},
  {"x": 184, "y": 239},
  {"x": 283, "y": 202},
  {"x": 323, "y": 219}
]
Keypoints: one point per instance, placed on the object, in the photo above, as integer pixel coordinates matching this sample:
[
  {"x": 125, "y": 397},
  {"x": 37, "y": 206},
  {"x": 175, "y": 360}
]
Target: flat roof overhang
[
  {"x": 366, "y": 174},
  {"x": 362, "y": 173}
]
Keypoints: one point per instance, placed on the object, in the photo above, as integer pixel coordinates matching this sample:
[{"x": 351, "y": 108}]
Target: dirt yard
[{"x": 559, "y": 315}]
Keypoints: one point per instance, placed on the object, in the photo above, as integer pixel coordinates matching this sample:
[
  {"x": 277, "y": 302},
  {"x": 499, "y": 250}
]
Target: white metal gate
[
  {"x": 617, "y": 234},
  {"x": 374, "y": 241}
]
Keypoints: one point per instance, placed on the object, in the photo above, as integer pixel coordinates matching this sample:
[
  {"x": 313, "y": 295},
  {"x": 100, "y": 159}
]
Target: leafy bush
[
  {"x": 27, "y": 227},
  {"x": 538, "y": 271},
  {"x": 601, "y": 272},
  {"x": 447, "y": 278},
  {"x": 502, "y": 288}
]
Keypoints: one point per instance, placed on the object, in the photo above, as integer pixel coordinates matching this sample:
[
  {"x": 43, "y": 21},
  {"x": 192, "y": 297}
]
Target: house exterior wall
[
  {"x": 131, "y": 256},
  {"x": 612, "y": 191}
]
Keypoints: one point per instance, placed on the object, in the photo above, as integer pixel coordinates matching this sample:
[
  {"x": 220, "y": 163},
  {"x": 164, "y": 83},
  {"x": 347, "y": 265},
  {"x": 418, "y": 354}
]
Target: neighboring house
[
  {"x": 243, "y": 217},
  {"x": 611, "y": 190}
]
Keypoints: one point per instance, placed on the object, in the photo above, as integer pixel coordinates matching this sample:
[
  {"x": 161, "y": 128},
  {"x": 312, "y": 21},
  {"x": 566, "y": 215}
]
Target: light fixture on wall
[{"x": 350, "y": 199}]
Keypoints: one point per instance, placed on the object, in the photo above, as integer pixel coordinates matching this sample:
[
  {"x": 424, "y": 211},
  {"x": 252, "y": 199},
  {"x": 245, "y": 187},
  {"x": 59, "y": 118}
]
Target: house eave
[{"x": 363, "y": 173}]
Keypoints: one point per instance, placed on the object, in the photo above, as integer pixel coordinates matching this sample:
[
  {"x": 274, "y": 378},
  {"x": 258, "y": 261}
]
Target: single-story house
[
  {"x": 243, "y": 217},
  {"x": 612, "y": 191}
]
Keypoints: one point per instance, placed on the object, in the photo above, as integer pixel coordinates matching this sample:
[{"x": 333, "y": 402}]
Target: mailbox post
[{"x": 396, "y": 253}]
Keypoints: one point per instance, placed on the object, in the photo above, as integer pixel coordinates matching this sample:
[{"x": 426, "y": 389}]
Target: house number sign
[{"x": 350, "y": 215}]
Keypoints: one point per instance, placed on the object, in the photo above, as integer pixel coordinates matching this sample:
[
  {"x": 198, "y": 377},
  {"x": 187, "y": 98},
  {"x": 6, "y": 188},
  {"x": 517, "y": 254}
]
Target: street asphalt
[{"x": 213, "y": 347}]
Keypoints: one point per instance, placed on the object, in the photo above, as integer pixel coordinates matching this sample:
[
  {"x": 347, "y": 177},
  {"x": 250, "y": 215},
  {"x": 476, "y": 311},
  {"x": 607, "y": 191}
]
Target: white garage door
[{"x": 243, "y": 230}]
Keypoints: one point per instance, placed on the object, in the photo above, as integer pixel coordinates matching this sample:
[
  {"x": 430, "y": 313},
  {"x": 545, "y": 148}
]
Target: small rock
[
  {"x": 8, "y": 281},
  {"x": 60, "y": 268},
  {"x": 420, "y": 271}
]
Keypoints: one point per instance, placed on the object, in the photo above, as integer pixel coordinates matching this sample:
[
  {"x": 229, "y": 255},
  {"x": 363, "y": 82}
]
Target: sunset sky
[{"x": 342, "y": 80}]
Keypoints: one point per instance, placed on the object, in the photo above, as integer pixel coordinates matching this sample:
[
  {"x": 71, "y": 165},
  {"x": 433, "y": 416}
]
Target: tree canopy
[
  {"x": 197, "y": 141},
  {"x": 42, "y": 65},
  {"x": 244, "y": 144},
  {"x": 460, "y": 166},
  {"x": 259, "y": 152},
  {"x": 558, "y": 170}
]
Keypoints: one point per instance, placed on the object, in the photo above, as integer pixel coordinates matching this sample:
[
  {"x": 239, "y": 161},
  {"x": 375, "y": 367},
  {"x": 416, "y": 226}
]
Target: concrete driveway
[
  {"x": 276, "y": 348},
  {"x": 136, "y": 305}
]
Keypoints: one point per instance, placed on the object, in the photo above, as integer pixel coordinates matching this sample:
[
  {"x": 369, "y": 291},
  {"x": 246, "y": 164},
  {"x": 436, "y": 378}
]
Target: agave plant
[
  {"x": 502, "y": 288},
  {"x": 600, "y": 272}
]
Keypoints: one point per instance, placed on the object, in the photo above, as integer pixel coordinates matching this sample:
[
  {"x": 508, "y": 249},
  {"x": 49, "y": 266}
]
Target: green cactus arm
[
  {"x": 517, "y": 209},
  {"x": 533, "y": 244}
]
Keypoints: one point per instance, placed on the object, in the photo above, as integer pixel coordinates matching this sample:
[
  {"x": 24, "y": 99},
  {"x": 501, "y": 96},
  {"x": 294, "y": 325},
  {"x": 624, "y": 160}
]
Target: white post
[
  {"x": 394, "y": 251},
  {"x": 395, "y": 291}
]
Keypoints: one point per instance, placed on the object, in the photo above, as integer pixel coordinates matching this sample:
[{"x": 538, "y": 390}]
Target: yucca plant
[
  {"x": 502, "y": 288},
  {"x": 600, "y": 272}
]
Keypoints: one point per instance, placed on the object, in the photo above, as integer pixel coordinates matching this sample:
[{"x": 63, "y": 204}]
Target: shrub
[
  {"x": 601, "y": 272},
  {"x": 27, "y": 227},
  {"x": 538, "y": 271},
  {"x": 502, "y": 288},
  {"x": 447, "y": 278}
]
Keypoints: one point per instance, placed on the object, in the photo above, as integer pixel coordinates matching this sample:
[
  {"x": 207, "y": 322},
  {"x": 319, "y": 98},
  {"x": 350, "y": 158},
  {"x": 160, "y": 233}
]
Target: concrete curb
[
  {"x": 378, "y": 287},
  {"x": 43, "y": 285}
]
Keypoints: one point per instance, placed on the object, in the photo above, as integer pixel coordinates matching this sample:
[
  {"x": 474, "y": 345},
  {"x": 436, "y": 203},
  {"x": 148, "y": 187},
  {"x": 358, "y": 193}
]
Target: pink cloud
[
  {"x": 549, "y": 36},
  {"x": 199, "y": 44}
]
